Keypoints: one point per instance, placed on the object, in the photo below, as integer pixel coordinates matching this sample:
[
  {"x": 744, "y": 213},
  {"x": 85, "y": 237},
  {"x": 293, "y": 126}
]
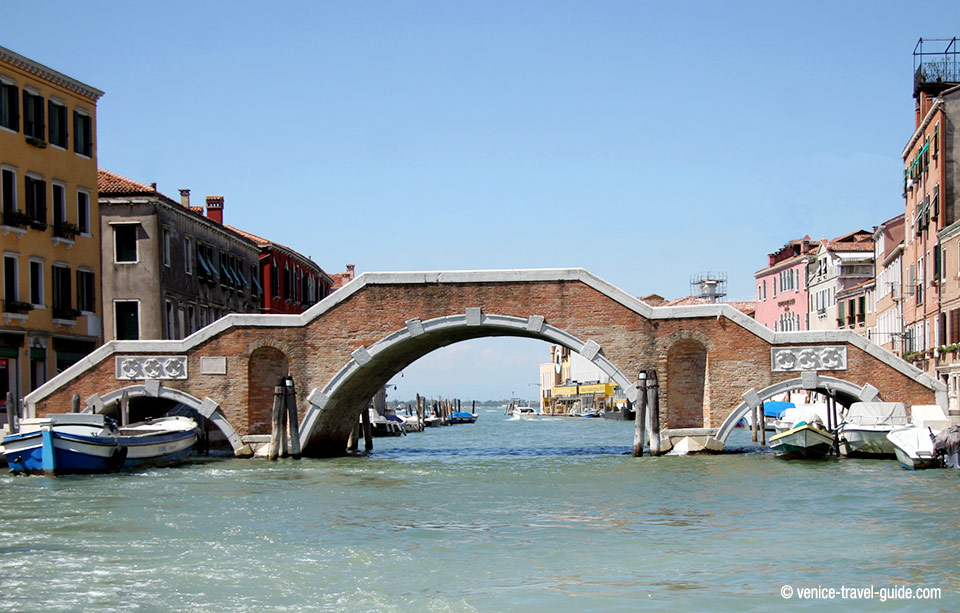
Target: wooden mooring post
[
  {"x": 290, "y": 402},
  {"x": 13, "y": 414},
  {"x": 276, "y": 420},
  {"x": 640, "y": 416},
  {"x": 75, "y": 403},
  {"x": 124, "y": 408},
  {"x": 653, "y": 412},
  {"x": 753, "y": 424},
  {"x": 367, "y": 431}
]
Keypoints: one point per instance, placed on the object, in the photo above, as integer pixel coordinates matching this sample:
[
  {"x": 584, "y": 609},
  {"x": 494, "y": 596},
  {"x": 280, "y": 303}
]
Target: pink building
[{"x": 782, "y": 287}]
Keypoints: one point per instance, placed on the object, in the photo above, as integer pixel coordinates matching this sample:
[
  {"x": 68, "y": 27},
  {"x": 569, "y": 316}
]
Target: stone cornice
[{"x": 39, "y": 70}]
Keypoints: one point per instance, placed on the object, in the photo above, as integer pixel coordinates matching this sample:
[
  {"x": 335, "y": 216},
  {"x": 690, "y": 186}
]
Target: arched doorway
[
  {"x": 686, "y": 371},
  {"x": 264, "y": 369}
]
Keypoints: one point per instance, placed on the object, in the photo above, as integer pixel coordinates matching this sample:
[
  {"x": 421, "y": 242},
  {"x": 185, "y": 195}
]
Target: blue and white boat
[
  {"x": 64, "y": 443},
  {"x": 158, "y": 442},
  {"x": 462, "y": 417}
]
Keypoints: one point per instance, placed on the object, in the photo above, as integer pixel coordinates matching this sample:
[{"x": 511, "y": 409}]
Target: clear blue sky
[{"x": 644, "y": 141}]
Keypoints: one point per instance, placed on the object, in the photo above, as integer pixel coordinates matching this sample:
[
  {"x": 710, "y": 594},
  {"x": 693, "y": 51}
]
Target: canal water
[{"x": 504, "y": 515}]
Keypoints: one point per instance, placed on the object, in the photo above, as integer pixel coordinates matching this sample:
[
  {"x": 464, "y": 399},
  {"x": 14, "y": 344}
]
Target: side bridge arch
[
  {"x": 807, "y": 381},
  {"x": 208, "y": 408}
]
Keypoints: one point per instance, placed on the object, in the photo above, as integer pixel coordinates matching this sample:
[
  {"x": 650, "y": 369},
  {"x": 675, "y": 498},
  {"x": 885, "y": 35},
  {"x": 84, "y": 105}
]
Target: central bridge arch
[{"x": 334, "y": 410}]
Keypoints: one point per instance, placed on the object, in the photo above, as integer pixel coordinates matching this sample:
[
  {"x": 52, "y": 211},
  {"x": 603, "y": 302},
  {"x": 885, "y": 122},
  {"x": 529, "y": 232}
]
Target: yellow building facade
[{"x": 49, "y": 230}]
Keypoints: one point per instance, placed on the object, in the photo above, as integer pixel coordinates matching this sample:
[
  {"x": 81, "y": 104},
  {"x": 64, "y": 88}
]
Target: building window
[
  {"x": 188, "y": 255},
  {"x": 191, "y": 320},
  {"x": 82, "y": 133},
  {"x": 165, "y": 245},
  {"x": 36, "y": 201},
  {"x": 127, "y": 319},
  {"x": 86, "y": 291},
  {"x": 33, "y": 115},
  {"x": 62, "y": 295},
  {"x": 125, "y": 243},
  {"x": 9, "y": 180},
  {"x": 274, "y": 280},
  {"x": 9, "y": 106},
  {"x": 11, "y": 285},
  {"x": 36, "y": 283},
  {"x": 59, "y": 207},
  {"x": 168, "y": 319},
  {"x": 58, "y": 124},
  {"x": 83, "y": 211}
]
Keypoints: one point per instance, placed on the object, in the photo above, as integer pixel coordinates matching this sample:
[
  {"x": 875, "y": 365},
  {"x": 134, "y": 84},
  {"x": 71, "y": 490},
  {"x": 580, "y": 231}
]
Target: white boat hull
[
  {"x": 865, "y": 442},
  {"x": 913, "y": 447}
]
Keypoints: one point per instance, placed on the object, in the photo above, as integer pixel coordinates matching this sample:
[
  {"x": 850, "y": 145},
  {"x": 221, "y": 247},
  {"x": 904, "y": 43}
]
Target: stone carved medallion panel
[
  {"x": 159, "y": 367},
  {"x": 821, "y": 357}
]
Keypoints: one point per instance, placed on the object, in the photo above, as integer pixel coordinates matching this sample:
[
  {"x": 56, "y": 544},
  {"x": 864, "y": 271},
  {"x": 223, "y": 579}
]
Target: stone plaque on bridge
[
  {"x": 160, "y": 367},
  {"x": 822, "y": 357}
]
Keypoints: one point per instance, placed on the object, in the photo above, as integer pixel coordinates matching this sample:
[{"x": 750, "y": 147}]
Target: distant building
[
  {"x": 930, "y": 185},
  {"x": 49, "y": 236},
  {"x": 168, "y": 269},
  {"x": 292, "y": 282},
  {"x": 342, "y": 278},
  {"x": 782, "y": 293},
  {"x": 839, "y": 265},
  {"x": 570, "y": 383},
  {"x": 887, "y": 319}
]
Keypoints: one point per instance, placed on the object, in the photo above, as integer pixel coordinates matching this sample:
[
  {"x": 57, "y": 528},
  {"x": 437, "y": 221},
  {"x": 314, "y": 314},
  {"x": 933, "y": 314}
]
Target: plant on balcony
[
  {"x": 16, "y": 219},
  {"x": 36, "y": 142},
  {"x": 65, "y": 313},
  {"x": 67, "y": 230},
  {"x": 15, "y": 306}
]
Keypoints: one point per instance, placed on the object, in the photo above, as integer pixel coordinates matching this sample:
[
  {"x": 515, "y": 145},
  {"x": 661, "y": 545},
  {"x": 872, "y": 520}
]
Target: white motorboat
[
  {"x": 864, "y": 431},
  {"x": 791, "y": 416},
  {"x": 804, "y": 440},
  {"x": 160, "y": 441},
  {"x": 914, "y": 444},
  {"x": 524, "y": 412}
]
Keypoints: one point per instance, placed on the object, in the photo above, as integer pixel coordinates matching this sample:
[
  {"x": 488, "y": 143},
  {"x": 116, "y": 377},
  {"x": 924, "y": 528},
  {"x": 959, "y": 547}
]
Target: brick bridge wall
[{"x": 633, "y": 336}]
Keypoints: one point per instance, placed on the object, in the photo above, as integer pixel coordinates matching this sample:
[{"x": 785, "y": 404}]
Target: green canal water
[{"x": 503, "y": 515}]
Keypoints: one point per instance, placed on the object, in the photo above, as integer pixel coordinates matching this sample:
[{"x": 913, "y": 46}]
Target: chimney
[
  {"x": 350, "y": 269},
  {"x": 215, "y": 208},
  {"x": 184, "y": 198}
]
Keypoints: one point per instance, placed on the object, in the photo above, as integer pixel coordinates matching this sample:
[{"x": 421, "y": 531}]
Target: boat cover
[
  {"x": 773, "y": 408},
  {"x": 889, "y": 414},
  {"x": 929, "y": 416}
]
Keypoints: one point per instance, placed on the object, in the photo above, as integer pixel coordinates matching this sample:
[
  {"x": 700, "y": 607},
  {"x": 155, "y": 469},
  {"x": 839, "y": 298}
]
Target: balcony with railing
[{"x": 936, "y": 64}]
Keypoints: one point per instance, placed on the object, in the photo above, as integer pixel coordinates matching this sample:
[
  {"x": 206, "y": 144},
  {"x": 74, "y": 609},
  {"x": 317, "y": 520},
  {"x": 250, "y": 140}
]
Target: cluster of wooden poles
[
  {"x": 647, "y": 413},
  {"x": 282, "y": 442}
]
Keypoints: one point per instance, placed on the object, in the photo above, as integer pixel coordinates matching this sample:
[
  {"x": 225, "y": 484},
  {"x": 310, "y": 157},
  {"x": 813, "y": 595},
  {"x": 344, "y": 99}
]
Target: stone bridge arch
[
  {"x": 334, "y": 409},
  {"x": 155, "y": 389},
  {"x": 846, "y": 393}
]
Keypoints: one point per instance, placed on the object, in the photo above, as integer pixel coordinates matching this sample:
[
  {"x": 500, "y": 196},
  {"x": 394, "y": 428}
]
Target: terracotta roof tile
[
  {"x": 112, "y": 183},
  {"x": 748, "y": 308}
]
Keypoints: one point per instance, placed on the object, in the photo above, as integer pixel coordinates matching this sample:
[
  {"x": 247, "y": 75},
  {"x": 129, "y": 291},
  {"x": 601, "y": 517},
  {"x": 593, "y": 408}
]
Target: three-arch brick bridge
[{"x": 709, "y": 358}]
